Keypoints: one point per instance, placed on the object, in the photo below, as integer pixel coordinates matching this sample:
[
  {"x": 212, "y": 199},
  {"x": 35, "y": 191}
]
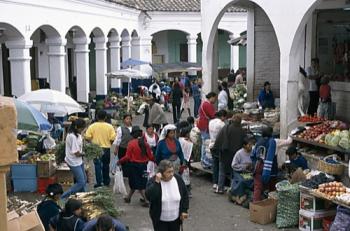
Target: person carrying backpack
[{"x": 264, "y": 157}]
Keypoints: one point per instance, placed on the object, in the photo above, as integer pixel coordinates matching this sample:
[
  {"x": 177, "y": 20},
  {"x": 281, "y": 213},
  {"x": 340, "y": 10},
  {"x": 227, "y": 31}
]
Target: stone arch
[
  {"x": 97, "y": 32},
  {"x": 172, "y": 29},
  {"x": 112, "y": 32},
  {"x": 47, "y": 30},
  {"x": 9, "y": 32},
  {"x": 134, "y": 33},
  {"x": 125, "y": 33},
  {"x": 75, "y": 32},
  {"x": 209, "y": 39}
]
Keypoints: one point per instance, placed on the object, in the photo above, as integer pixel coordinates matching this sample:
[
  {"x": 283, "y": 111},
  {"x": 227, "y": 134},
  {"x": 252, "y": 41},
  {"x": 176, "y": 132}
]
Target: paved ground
[{"x": 208, "y": 211}]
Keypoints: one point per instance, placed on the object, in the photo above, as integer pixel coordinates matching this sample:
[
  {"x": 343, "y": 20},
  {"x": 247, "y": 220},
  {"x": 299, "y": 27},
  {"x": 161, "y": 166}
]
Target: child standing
[{"x": 186, "y": 102}]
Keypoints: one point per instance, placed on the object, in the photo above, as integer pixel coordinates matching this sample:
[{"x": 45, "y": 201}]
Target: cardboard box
[
  {"x": 8, "y": 138},
  {"x": 263, "y": 212},
  {"x": 28, "y": 222}
]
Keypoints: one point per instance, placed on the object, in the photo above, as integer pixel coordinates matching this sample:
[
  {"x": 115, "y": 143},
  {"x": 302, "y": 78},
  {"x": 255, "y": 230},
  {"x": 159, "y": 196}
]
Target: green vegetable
[
  {"x": 344, "y": 134},
  {"x": 335, "y": 141},
  {"x": 92, "y": 151},
  {"x": 328, "y": 138},
  {"x": 344, "y": 143},
  {"x": 60, "y": 152}
]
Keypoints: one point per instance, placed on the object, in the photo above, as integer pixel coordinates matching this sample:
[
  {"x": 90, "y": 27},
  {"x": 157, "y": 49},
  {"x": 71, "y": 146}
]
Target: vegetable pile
[
  {"x": 239, "y": 95},
  {"x": 92, "y": 151},
  {"x": 97, "y": 203},
  {"x": 315, "y": 181},
  {"x": 310, "y": 119},
  {"x": 288, "y": 204}
]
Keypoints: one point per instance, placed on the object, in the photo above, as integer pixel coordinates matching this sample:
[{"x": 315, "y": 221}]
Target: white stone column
[
  {"x": 101, "y": 65},
  {"x": 114, "y": 46},
  {"x": 57, "y": 71},
  {"x": 2, "y": 90},
  {"x": 192, "y": 51},
  {"x": 82, "y": 66},
  {"x": 126, "y": 52},
  {"x": 126, "y": 48},
  {"x": 135, "y": 48},
  {"x": 250, "y": 54},
  {"x": 234, "y": 64},
  {"x": 146, "y": 52},
  {"x": 20, "y": 66}
]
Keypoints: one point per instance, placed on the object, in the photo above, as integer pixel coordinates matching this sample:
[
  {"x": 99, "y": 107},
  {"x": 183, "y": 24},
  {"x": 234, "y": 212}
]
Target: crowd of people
[{"x": 226, "y": 148}]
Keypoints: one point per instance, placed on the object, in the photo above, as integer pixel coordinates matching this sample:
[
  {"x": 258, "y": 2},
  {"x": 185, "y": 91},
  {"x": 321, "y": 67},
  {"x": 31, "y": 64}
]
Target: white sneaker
[{"x": 215, "y": 186}]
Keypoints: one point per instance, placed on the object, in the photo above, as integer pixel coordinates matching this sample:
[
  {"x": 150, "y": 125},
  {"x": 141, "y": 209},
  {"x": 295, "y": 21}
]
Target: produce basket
[
  {"x": 46, "y": 168},
  {"x": 329, "y": 165}
]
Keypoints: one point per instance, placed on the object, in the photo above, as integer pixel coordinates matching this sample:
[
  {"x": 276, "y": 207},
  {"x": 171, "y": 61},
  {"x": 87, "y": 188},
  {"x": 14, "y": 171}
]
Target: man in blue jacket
[{"x": 265, "y": 162}]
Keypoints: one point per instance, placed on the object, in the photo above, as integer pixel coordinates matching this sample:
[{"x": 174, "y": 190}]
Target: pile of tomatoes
[
  {"x": 310, "y": 119},
  {"x": 316, "y": 131}
]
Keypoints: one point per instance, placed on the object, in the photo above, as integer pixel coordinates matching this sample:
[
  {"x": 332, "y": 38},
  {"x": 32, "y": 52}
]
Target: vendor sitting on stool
[
  {"x": 266, "y": 99},
  {"x": 241, "y": 185},
  {"x": 296, "y": 158}
]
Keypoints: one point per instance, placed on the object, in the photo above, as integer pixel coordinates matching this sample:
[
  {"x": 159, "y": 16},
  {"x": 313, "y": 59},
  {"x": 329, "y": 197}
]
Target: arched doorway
[
  {"x": 261, "y": 40},
  {"x": 48, "y": 58},
  {"x": 77, "y": 71},
  {"x": 9, "y": 33},
  {"x": 98, "y": 63}
]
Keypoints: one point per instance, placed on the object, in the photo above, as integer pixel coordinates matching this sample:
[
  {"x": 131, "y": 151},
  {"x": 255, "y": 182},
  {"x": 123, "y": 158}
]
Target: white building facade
[
  {"x": 77, "y": 42},
  {"x": 281, "y": 37}
]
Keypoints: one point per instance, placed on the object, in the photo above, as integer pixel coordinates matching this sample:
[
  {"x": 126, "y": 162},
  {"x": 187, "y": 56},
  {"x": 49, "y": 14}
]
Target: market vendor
[
  {"x": 242, "y": 164},
  {"x": 266, "y": 99},
  {"x": 296, "y": 158},
  {"x": 324, "y": 106},
  {"x": 313, "y": 75}
]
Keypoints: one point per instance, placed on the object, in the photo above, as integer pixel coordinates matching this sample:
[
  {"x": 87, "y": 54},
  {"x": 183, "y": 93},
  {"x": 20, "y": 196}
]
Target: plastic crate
[
  {"x": 23, "y": 171},
  {"x": 43, "y": 182},
  {"x": 24, "y": 184}
]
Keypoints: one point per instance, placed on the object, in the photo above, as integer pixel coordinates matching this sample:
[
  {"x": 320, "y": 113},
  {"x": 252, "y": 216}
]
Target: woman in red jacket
[
  {"x": 206, "y": 112},
  {"x": 138, "y": 153}
]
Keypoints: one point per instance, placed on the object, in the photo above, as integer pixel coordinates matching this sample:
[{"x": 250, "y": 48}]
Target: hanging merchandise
[{"x": 288, "y": 204}]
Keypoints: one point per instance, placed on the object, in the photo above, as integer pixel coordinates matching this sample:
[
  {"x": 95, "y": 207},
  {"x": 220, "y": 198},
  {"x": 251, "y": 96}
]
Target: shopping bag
[
  {"x": 114, "y": 165},
  {"x": 151, "y": 169},
  {"x": 119, "y": 186},
  {"x": 186, "y": 176}
]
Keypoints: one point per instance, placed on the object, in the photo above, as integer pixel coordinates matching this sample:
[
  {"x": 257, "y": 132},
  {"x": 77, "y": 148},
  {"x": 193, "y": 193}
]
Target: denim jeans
[
  {"x": 102, "y": 167},
  {"x": 176, "y": 112},
  {"x": 197, "y": 103},
  {"x": 80, "y": 184},
  {"x": 215, "y": 168},
  {"x": 204, "y": 159}
]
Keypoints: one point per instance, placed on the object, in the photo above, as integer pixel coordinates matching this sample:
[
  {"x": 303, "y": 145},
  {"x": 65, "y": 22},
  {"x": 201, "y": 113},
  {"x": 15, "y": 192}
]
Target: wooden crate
[
  {"x": 64, "y": 176},
  {"x": 46, "y": 168}
]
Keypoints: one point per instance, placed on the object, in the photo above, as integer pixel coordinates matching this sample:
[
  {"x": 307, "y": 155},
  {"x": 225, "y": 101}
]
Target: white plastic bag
[
  {"x": 114, "y": 165},
  {"x": 151, "y": 169},
  {"x": 186, "y": 176},
  {"x": 119, "y": 186}
]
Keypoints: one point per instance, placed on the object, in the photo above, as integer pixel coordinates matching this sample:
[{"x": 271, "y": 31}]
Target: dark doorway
[
  {"x": 183, "y": 52},
  {"x": 6, "y": 70}
]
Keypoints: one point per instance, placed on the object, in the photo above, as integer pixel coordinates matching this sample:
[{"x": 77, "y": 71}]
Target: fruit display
[
  {"x": 316, "y": 133},
  {"x": 331, "y": 190},
  {"x": 310, "y": 119},
  {"x": 316, "y": 180}
]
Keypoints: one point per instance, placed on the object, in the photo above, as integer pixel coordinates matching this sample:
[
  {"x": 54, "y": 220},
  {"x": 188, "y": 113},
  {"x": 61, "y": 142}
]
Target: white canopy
[{"x": 51, "y": 101}]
